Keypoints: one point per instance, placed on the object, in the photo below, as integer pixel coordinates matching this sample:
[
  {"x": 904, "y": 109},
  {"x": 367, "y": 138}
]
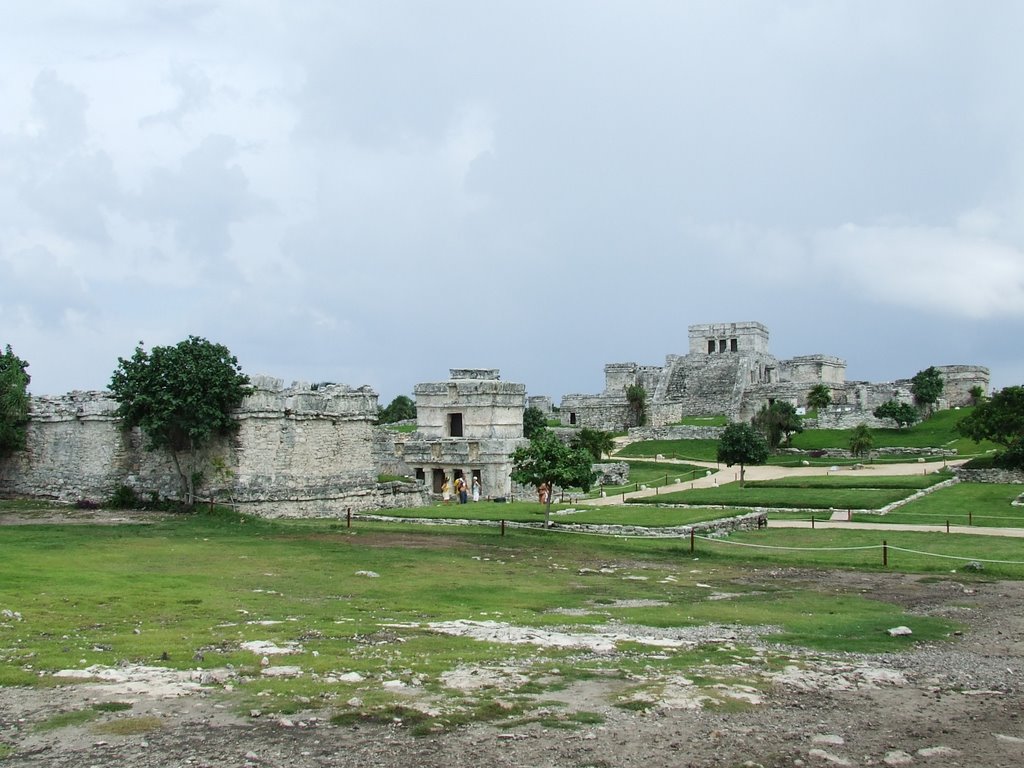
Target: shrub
[{"x": 125, "y": 498}]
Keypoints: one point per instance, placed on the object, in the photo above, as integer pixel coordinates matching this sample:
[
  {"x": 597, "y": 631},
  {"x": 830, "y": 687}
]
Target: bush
[{"x": 125, "y": 498}]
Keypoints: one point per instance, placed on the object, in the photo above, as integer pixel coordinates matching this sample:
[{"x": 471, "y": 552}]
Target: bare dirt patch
[{"x": 957, "y": 703}]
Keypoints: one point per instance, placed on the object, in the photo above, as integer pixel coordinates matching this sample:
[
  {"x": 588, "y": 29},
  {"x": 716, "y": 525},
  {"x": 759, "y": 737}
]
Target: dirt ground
[{"x": 953, "y": 704}]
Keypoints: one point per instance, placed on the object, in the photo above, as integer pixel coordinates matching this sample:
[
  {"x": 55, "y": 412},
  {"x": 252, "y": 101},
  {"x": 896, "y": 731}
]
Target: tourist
[
  {"x": 476, "y": 489},
  {"x": 542, "y": 493},
  {"x": 446, "y": 491},
  {"x": 463, "y": 491}
]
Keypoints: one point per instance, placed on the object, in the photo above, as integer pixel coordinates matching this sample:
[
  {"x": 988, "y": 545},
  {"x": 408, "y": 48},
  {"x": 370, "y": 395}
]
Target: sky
[{"x": 375, "y": 192}]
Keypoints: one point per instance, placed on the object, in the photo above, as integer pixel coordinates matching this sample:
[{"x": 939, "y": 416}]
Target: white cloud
[{"x": 942, "y": 270}]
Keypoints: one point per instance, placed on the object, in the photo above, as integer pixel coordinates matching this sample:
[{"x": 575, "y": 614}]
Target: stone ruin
[
  {"x": 466, "y": 427},
  {"x": 299, "y": 451},
  {"x": 729, "y": 370}
]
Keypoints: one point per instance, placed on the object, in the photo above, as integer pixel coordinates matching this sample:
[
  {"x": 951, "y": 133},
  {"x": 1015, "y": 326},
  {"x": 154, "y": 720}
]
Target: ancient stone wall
[
  {"x": 1012, "y": 476},
  {"x": 296, "y": 448}
]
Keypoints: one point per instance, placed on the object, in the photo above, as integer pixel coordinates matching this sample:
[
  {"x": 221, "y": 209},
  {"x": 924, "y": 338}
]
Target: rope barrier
[
  {"x": 956, "y": 557},
  {"x": 797, "y": 549}
]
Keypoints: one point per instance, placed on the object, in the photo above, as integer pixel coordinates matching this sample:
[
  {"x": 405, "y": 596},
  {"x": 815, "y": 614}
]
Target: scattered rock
[
  {"x": 897, "y": 757},
  {"x": 900, "y": 631}
]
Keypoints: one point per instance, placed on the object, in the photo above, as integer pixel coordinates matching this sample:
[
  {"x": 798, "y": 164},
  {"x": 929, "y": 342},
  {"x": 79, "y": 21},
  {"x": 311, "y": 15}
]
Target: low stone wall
[
  {"x": 1013, "y": 476},
  {"x": 380, "y": 496},
  {"x": 675, "y": 432}
]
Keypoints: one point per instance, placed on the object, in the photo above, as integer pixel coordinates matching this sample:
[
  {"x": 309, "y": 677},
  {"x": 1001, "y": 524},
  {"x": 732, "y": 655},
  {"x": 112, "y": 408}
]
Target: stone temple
[
  {"x": 466, "y": 427},
  {"x": 729, "y": 370}
]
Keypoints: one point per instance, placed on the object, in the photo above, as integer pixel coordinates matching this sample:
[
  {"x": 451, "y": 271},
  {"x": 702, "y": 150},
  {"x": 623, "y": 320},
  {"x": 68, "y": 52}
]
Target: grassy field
[
  {"x": 964, "y": 504},
  {"x": 733, "y": 495},
  {"x": 938, "y": 432},
  {"x": 186, "y": 592}
]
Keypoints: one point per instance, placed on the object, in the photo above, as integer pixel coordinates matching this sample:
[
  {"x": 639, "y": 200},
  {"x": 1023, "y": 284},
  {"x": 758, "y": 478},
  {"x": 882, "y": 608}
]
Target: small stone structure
[
  {"x": 467, "y": 427},
  {"x": 729, "y": 370}
]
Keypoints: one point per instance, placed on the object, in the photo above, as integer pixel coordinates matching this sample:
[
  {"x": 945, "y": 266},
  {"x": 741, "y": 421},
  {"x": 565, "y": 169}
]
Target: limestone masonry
[
  {"x": 730, "y": 371},
  {"x": 314, "y": 450}
]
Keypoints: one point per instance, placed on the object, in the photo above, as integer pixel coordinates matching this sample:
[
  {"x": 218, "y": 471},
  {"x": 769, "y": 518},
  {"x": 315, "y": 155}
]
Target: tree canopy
[
  {"x": 999, "y": 418},
  {"x": 181, "y": 397},
  {"x": 549, "y": 460},
  {"x": 742, "y": 444},
  {"x": 861, "y": 440},
  {"x": 533, "y": 422},
  {"x": 14, "y": 402},
  {"x": 636, "y": 396},
  {"x": 901, "y": 413},
  {"x": 594, "y": 441},
  {"x": 926, "y": 386},
  {"x": 402, "y": 408},
  {"x": 819, "y": 397},
  {"x": 778, "y": 421}
]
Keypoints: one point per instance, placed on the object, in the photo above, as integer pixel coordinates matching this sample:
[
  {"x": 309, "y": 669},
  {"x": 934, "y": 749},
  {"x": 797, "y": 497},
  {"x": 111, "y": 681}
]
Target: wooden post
[
  {"x": 947, "y": 526},
  {"x": 885, "y": 553},
  {"x": 348, "y": 518},
  {"x": 812, "y": 522},
  {"x": 502, "y": 527},
  {"x": 691, "y": 540},
  {"x": 970, "y": 518}
]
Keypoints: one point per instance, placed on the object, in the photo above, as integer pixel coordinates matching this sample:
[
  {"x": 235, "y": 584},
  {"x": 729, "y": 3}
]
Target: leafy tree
[
  {"x": 1000, "y": 418},
  {"x": 594, "y": 441},
  {"x": 977, "y": 393},
  {"x": 819, "y": 397},
  {"x": 777, "y": 421},
  {"x": 533, "y": 422},
  {"x": 181, "y": 397},
  {"x": 636, "y": 396},
  {"x": 548, "y": 460},
  {"x": 402, "y": 408},
  {"x": 14, "y": 402},
  {"x": 926, "y": 386},
  {"x": 901, "y": 413},
  {"x": 861, "y": 440},
  {"x": 742, "y": 444}
]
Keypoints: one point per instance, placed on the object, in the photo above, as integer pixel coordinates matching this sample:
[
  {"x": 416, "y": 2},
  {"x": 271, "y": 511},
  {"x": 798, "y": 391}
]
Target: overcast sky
[{"x": 375, "y": 192}]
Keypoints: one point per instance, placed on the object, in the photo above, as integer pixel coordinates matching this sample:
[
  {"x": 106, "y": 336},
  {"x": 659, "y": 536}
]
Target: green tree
[
  {"x": 819, "y": 397},
  {"x": 181, "y": 397},
  {"x": 777, "y": 421},
  {"x": 999, "y": 418},
  {"x": 548, "y": 460},
  {"x": 977, "y": 393},
  {"x": 901, "y": 413},
  {"x": 402, "y": 408},
  {"x": 14, "y": 402},
  {"x": 861, "y": 440},
  {"x": 926, "y": 386},
  {"x": 533, "y": 422},
  {"x": 742, "y": 444},
  {"x": 594, "y": 441},
  {"x": 636, "y": 396}
]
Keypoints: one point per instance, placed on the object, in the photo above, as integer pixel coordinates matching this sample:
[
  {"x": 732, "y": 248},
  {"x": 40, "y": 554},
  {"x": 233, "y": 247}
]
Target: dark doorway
[{"x": 455, "y": 425}]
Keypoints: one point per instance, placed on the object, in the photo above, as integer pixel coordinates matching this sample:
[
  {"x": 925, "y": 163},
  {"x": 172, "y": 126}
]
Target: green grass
[
  {"x": 915, "y": 482},
  {"x": 685, "y": 450},
  {"x": 938, "y": 432},
  {"x": 716, "y": 420},
  {"x": 981, "y": 504},
  {"x": 653, "y": 474},
  {"x": 158, "y": 594},
  {"x": 732, "y": 495}
]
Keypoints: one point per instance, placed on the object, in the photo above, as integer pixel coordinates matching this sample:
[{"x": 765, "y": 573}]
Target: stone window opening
[
  {"x": 721, "y": 345},
  {"x": 711, "y": 346},
  {"x": 734, "y": 345},
  {"x": 421, "y": 476},
  {"x": 572, "y": 417},
  {"x": 454, "y": 425},
  {"x": 437, "y": 476}
]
